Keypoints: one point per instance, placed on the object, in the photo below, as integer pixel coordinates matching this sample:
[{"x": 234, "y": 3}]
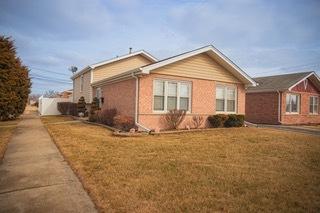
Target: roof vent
[{"x": 130, "y": 50}]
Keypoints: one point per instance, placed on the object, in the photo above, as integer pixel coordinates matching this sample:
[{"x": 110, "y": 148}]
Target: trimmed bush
[
  {"x": 94, "y": 105},
  {"x": 217, "y": 120},
  {"x": 81, "y": 105},
  {"x": 234, "y": 121},
  {"x": 67, "y": 108},
  {"x": 124, "y": 122},
  {"x": 93, "y": 117},
  {"x": 174, "y": 118},
  {"x": 107, "y": 116}
]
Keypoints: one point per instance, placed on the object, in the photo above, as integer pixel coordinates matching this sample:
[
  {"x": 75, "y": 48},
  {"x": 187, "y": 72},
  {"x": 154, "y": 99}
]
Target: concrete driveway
[{"x": 34, "y": 176}]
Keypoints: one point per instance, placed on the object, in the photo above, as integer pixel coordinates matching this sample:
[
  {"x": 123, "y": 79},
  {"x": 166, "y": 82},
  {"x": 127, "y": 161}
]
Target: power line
[
  {"x": 46, "y": 77},
  {"x": 37, "y": 84},
  {"x": 291, "y": 68},
  {"x": 302, "y": 65},
  {"x": 50, "y": 71},
  {"x": 50, "y": 80}
]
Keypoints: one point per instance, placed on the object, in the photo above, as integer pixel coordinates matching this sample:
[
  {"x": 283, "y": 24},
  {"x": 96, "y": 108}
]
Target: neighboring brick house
[
  {"x": 66, "y": 94},
  {"x": 284, "y": 99},
  {"x": 203, "y": 82}
]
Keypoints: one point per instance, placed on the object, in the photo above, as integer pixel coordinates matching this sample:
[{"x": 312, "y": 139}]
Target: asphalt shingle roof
[{"x": 277, "y": 82}]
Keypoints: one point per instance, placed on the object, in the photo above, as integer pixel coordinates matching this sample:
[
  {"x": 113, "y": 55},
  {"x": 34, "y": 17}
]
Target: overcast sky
[{"x": 262, "y": 37}]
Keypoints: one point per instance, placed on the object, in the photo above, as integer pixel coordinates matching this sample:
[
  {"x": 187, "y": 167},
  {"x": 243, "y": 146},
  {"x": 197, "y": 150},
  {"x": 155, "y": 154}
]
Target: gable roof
[
  {"x": 93, "y": 66},
  {"x": 212, "y": 52},
  {"x": 283, "y": 82}
]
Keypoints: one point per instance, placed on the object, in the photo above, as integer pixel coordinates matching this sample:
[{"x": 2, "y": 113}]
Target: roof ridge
[
  {"x": 189, "y": 51},
  {"x": 306, "y": 72},
  {"x": 120, "y": 56},
  {"x": 281, "y": 82},
  {"x": 114, "y": 59}
]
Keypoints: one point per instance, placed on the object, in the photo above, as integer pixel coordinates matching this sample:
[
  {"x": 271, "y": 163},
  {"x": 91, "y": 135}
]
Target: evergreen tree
[
  {"x": 81, "y": 105},
  {"x": 14, "y": 81},
  {"x": 94, "y": 105}
]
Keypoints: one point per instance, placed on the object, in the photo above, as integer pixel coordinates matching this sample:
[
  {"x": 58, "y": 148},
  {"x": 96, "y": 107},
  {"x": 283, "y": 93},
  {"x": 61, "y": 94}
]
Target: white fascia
[
  {"x": 141, "y": 52},
  {"x": 210, "y": 48},
  {"x": 312, "y": 73}
]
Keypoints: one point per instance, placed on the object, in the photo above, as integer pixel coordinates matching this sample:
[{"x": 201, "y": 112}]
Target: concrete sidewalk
[
  {"x": 298, "y": 129},
  {"x": 34, "y": 176}
]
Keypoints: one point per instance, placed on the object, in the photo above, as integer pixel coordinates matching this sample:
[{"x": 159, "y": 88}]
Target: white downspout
[
  {"x": 279, "y": 107},
  {"x": 136, "y": 105}
]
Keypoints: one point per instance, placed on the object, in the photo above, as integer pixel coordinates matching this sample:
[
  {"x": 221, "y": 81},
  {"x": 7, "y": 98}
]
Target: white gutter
[
  {"x": 111, "y": 80},
  {"x": 279, "y": 106},
  {"x": 136, "y": 105}
]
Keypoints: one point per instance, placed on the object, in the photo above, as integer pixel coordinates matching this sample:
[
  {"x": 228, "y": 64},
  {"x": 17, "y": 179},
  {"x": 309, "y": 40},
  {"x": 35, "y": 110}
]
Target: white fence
[{"x": 49, "y": 106}]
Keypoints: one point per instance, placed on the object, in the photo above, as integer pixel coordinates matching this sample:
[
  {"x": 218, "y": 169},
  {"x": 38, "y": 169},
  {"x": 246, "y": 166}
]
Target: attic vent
[{"x": 305, "y": 84}]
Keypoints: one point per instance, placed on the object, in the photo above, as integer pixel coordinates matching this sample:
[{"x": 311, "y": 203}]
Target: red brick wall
[
  {"x": 119, "y": 95},
  {"x": 202, "y": 100},
  {"x": 306, "y": 86},
  {"x": 262, "y": 108},
  {"x": 304, "y": 117}
]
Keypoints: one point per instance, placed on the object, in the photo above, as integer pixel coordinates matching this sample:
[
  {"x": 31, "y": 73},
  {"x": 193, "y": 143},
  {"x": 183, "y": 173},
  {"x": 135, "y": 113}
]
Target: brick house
[
  {"x": 203, "y": 82},
  {"x": 284, "y": 99}
]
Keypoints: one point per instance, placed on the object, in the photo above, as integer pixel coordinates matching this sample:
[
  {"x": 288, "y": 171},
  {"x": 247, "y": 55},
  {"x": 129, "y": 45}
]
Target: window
[
  {"x": 169, "y": 95},
  {"x": 81, "y": 83},
  {"x": 172, "y": 96},
  {"x": 158, "y": 95},
  {"x": 184, "y": 96},
  {"x": 99, "y": 95},
  {"x": 314, "y": 100},
  {"x": 226, "y": 99},
  {"x": 220, "y": 99},
  {"x": 292, "y": 103},
  {"x": 231, "y": 100}
]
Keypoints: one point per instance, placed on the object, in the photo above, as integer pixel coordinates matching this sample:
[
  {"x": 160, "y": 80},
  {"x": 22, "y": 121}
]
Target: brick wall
[
  {"x": 202, "y": 100},
  {"x": 262, "y": 108},
  {"x": 304, "y": 117},
  {"x": 119, "y": 95},
  {"x": 305, "y": 90}
]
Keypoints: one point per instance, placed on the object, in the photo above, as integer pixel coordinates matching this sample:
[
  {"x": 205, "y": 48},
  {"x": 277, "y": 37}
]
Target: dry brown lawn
[
  {"x": 6, "y": 130},
  {"x": 229, "y": 170},
  {"x": 55, "y": 119}
]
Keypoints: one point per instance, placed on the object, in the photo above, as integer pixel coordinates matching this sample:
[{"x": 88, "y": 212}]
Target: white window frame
[
  {"x": 166, "y": 81},
  {"x": 81, "y": 83},
  {"x": 298, "y": 104},
  {"x": 226, "y": 87},
  {"x": 313, "y": 97}
]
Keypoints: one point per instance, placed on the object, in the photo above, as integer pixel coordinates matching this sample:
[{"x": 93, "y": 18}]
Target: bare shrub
[
  {"x": 124, "y": 122},
  {"x": 197, "y": 121},
  {"x": 107, "y": 116},
  {"x": 174, "y": 118}
]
